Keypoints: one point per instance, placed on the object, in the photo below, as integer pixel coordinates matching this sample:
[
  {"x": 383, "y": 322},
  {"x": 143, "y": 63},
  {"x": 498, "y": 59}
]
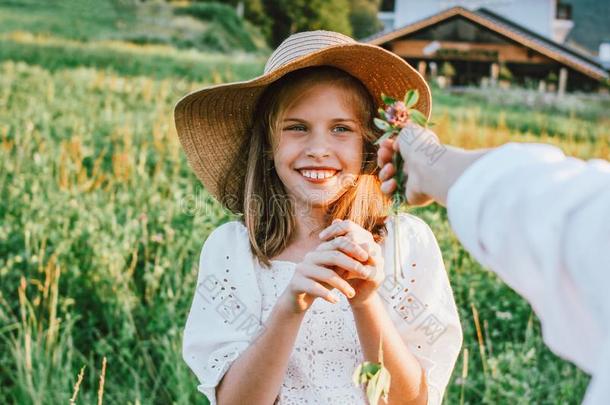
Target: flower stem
[{"x": 399, "y": 197}]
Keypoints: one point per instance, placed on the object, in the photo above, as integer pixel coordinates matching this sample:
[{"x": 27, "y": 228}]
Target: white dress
[
  {"x": 541, "y": 221},
  {"x": 235, "y": 296}
]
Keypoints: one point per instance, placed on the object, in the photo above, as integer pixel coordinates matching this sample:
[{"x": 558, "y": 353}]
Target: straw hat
[{"x": 213, "y": 122}]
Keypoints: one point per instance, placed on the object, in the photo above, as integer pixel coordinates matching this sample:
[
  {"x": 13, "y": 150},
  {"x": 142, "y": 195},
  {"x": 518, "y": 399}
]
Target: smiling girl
[{"x": 293, "y": 152}]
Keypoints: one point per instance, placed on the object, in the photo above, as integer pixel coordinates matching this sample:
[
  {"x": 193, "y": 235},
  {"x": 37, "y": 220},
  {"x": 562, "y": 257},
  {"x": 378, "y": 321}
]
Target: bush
[
  {"x": 447, "y": 70},
  {"x": 505, "y": 73},
  {"x": 552, "y": 78}
]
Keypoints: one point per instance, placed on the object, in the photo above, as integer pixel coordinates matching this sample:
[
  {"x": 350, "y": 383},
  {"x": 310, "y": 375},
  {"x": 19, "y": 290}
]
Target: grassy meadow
[{"x": 102, "y": 222}]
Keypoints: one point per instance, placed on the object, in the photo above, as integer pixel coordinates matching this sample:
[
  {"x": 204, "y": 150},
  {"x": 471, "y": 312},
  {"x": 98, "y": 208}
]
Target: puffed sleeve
[
  {"x": 225, "y": 314},
  {"x": 421, "y": 304}
]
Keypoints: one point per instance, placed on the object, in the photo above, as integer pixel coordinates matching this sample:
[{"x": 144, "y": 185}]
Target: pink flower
[{"x": 397, "y": 114}]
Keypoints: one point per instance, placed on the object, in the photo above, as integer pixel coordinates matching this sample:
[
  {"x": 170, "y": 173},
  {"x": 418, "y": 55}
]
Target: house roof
[{"x": 507, "y": 28}]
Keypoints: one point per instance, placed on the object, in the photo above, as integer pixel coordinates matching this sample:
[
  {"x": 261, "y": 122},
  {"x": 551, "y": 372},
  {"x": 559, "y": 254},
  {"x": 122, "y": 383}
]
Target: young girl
[{"x": 292, "y": 297}]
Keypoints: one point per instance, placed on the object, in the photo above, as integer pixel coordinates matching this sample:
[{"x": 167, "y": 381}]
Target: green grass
[
  {"x": 99, "y": 245},
  {"x": 157, "y": 61},
  {"x": 74, "y": 19},
  {"x": 93, "y": 183},
  {"x": 574, "y": 116},
  {"x": 69, "y": 198}
]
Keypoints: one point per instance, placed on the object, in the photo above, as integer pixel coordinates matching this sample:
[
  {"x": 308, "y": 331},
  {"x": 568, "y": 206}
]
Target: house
[{"x": 488, "y": 40}]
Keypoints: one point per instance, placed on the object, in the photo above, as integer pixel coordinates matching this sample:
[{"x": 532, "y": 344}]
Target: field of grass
[{"x": 101, "y": 224}]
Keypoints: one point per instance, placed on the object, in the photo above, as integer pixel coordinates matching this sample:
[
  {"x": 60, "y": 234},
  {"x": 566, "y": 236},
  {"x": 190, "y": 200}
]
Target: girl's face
[{"x": 319, "y": 151}]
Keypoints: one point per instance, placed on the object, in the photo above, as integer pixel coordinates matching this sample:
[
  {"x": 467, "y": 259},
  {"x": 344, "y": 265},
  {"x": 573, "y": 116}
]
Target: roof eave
[{"x": 595, "y": 72}]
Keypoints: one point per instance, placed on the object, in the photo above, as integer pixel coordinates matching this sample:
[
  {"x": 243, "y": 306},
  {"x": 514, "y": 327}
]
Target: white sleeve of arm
[
  {"x": 225, "y": 315},
  {"x": 541, "y": 221},
  {"x": 421, "y": 304}
]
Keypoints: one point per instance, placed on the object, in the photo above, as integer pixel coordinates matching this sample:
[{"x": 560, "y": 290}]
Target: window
[
  {"x": 564, "y": 11},
  {"x": 387, "y": 6}
]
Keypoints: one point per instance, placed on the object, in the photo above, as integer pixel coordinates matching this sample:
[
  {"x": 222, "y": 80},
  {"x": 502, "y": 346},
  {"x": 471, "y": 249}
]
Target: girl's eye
[
  {"x": 304, "y": 128},
  {"x": 343, "y": 129},
  {"x": 296, "y": 128}
]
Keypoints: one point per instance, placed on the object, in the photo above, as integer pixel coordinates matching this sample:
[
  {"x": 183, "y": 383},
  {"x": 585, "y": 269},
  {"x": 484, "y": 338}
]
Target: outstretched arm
[{"x": 538, "y": 219}]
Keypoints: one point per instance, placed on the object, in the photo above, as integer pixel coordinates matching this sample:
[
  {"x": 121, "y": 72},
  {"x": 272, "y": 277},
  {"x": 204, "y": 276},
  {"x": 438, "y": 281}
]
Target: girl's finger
[
  {"x": 338, "y": 228},
  {"x": 315, "y": 289},
  {"x": 385, "y": 152},
  {"x": 339, "y": 259},
  {"x": 328, "y": 277},
  {"x": 388, "y": 186},
  {"x": 369, "y": 274},
  {"x": 388, "y": 142},
  {"x": 347, "y": 246},
  {"x": 387, "y": 172},
  {"x": 395, "y": 146}
]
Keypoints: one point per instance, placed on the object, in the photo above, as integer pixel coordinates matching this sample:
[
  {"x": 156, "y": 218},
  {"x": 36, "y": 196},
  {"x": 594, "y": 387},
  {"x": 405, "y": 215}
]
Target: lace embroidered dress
[{"x": 235, "y": 295}]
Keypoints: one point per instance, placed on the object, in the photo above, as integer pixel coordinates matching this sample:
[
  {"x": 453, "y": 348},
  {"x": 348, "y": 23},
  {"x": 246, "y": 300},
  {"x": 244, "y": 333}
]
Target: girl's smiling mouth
[{"x": 318, "y": 175}]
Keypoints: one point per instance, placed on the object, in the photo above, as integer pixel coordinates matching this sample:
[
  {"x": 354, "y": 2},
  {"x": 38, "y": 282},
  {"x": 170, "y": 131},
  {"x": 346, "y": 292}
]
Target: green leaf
[
  {"x": 418, "y": 118},
  {"x": 382, "y": 113},
  {"x": 411, "y": 98},
  {"x": 387, "y": 99},
  {"x": 371, "y": 368},
  {"x": 384, "y": 137},
  {"x": 377, "y": 379},
  {"x": 378, "y": 385},
  {"x": 381, "y": 124}
]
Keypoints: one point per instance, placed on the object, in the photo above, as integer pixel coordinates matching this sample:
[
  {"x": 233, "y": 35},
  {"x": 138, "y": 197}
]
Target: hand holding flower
[
  {"x": 396, "y": 116},
  {"x": 350, "y": 238}
]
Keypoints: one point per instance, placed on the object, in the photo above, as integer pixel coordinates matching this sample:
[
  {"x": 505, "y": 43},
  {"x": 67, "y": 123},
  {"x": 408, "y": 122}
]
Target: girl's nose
[
  {"x": 318, "y": 146},
  {"x": 317, "y": 152}
]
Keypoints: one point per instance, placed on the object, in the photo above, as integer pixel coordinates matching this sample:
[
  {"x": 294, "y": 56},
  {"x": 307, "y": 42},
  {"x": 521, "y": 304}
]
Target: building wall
[{"x": 536, "y": 15}]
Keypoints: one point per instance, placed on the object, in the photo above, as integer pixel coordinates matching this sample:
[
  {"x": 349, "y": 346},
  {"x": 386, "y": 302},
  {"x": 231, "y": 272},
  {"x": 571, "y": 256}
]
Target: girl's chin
[
  {"x": 319, "y": 204},
  {"x": 319, "y": 199}
]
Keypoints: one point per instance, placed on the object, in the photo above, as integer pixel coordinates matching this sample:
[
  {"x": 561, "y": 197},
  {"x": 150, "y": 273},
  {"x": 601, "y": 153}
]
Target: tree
[
  {"x": 290, "y": 16},
  {"x": 256, "y": 13},
  {"x": 363, "y": 18},
  {"x": 278, "y": 19}
]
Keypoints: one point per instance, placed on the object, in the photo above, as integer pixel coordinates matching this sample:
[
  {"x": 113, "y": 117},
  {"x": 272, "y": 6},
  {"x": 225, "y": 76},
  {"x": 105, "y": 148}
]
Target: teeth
[{"x": 318, "y": 174}]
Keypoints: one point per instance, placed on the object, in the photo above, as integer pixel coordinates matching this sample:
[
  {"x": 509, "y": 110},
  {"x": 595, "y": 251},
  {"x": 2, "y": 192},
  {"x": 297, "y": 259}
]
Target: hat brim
[{"x": 212, "y": 122}]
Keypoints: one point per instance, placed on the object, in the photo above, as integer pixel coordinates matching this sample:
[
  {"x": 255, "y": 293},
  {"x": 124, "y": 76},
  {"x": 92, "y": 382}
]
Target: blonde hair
[{"x": 268, "y": 210}]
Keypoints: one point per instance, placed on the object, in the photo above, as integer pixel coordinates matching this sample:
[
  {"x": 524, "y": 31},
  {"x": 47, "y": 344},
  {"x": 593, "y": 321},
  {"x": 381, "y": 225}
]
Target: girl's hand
[
  {"x": 347, "y": 237},
  {"x": 417, "y": 166},
  {"x": 430, "y": 167},
  {"x": 314, "y": 277}
]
